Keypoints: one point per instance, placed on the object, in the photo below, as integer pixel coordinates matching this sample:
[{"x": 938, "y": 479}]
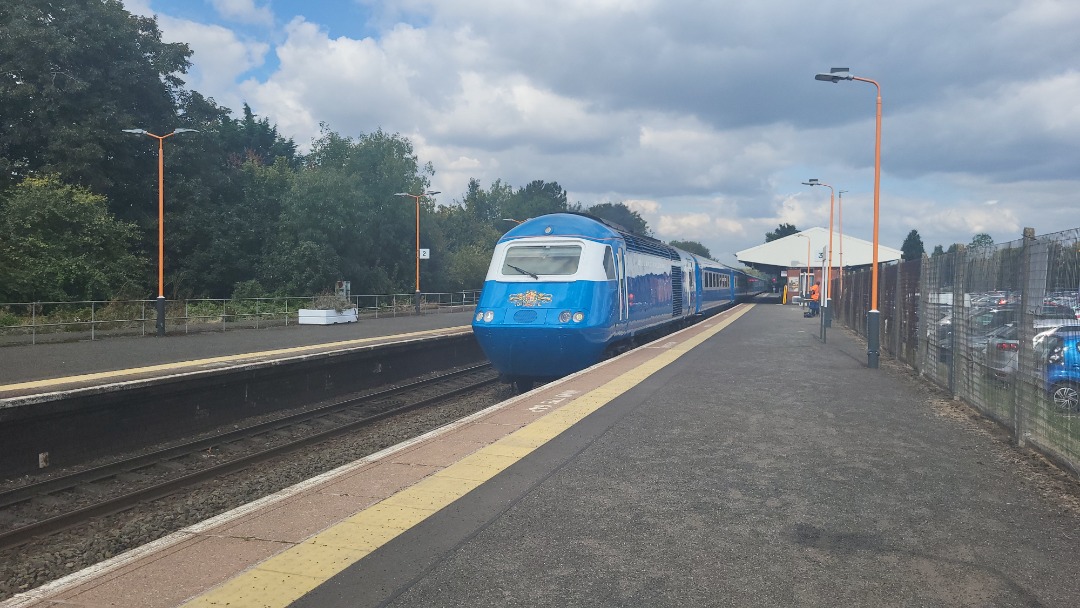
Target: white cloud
[
  {"x": 232, "y": 58},
  {"x": 244, "y": 11}
]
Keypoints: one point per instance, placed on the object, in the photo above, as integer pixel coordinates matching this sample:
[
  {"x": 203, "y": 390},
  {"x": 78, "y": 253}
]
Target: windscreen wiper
[{"x": 523, "y": 271}]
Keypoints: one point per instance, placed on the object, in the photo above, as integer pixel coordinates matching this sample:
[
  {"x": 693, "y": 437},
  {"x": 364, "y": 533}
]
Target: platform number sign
[{"x": 425, "y": 254}]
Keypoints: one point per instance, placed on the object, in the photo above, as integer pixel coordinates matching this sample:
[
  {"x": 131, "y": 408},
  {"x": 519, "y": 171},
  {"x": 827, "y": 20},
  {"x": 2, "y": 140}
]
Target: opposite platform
[{"x": 30, "y": 369}]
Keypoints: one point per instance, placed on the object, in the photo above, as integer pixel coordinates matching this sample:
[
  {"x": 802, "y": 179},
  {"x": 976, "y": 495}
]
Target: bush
[{"x": 332, "y": 301}]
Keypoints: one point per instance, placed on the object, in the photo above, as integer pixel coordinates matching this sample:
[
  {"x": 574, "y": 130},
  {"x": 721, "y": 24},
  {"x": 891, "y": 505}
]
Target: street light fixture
[
  {"x": 873, "y": 317},
  {"x": 826, "y": 316},
  {"x": 417, "y": 198},
  {"x": 161, "y": 219}
]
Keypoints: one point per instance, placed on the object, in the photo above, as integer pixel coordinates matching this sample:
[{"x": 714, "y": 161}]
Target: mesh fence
[{"x": 997, "y": 326}]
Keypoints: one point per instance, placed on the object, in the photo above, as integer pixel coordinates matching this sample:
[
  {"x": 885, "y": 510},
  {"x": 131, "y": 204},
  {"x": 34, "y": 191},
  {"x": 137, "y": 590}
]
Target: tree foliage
[
  {"x": 981, "y": 240},
  {"x": 693, "y": 247},
  {"x": 621, "y": 215},
  {"x": 912, "y": 249},
  {"x": 72, "y": 75},
  {"x": 59, "y": 242},
  {"x": 781, "y": 231}
]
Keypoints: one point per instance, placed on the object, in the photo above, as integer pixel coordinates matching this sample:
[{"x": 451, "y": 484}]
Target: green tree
[
  {"x": 536, "y": 199},
  {"x": 224, "y": 188},
  {"x": 981, "y": 240},
  {"x": 781, "y": 231},
  {"x": 60, "y": 243},
  {"x": 938, "y": 250},
  {"x": 72, "y": 75},
  {"x": 912, "y": 249},
  {"x": 342, "y": 220},
  {"x": 693, "y": 247},
  {"x": 621, "y": 215}
]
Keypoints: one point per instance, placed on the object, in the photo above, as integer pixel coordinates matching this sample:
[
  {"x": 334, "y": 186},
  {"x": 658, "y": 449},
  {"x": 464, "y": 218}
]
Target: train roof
[
  {"x": 590, "y": 227},
  {"x": 587, "y": 226}
]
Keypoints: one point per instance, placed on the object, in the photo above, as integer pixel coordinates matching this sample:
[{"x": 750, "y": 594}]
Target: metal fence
[
  {"x": 996, "y": 326},
  {"x": 35, "y": 322}
]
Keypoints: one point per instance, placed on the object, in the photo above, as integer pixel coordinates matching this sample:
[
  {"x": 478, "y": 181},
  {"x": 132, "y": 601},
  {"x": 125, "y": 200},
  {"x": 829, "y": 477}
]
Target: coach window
[
  {"x": 609, "y": 264},
  {"x": 542, "y": 259}
]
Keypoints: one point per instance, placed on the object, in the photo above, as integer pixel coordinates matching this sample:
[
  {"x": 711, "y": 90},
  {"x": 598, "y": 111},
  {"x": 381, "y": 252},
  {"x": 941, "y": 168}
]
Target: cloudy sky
[{"x": 702, "y": 115}]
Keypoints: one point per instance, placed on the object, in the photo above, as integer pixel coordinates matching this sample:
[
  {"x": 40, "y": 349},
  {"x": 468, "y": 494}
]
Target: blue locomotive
[{"x": 564, "y": 291}]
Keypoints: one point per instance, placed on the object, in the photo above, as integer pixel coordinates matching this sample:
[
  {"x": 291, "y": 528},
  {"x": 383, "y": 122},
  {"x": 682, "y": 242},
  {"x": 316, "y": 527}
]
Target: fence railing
[
  {"x": 34, "y": 322},
  {"x": 991, "y": 325}
]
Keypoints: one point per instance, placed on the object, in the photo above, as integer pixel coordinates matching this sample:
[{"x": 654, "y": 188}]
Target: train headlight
[
  {"x": 488, "y": 316},
  {"x": 579, "y": 317},
  {"x": 480, "y": 316},
  {"x": 564, "y": 316}
]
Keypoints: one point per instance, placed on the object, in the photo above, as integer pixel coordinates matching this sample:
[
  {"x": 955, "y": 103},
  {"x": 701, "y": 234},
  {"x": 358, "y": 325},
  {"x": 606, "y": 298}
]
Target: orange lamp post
[
  {"x": 873, "y": 317},
  {"x": 161, "y": 219},
  {"x": 417, "y": 197}
]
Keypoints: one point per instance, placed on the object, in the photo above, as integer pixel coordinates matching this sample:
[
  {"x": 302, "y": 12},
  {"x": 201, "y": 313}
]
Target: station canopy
[{"x": 790, "y": 251}]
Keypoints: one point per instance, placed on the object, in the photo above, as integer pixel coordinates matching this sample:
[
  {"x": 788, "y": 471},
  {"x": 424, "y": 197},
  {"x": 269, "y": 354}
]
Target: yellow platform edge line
[
  {"x": 287, "y": 576},
  {"x": 122, "y": 373}
]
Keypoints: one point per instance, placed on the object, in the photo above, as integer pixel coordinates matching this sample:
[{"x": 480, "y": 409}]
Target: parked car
[
  {"x": 1059, "y": 348},
  {"x": 980, "y": 322},
  {"x": 1055, "y": 311},
  {"x": 1002, "y": 349}
]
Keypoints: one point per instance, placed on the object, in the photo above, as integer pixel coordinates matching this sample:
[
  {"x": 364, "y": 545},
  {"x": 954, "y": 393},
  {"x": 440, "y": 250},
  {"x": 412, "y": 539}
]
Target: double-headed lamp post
[
  {"x": 873, "y": 318},
  {"x": 161, "y": 219},
  {"x": 417, "y": 197},
  {"x": 826, "y": 316}
]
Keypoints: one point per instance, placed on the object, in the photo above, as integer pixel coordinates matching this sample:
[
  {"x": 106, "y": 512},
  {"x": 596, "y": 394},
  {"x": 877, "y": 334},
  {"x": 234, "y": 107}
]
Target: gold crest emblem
[{"x": 530, "y": 298}]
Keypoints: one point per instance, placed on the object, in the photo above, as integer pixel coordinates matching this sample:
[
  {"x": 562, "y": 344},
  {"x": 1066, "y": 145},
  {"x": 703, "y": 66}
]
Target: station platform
[
  {"x": 27, "y": 370},
  {"x": 739, "y": 462}
]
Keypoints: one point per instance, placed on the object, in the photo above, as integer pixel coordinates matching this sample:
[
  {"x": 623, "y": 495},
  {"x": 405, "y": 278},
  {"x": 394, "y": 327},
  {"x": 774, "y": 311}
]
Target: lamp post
[
  {"x": 826, "y": 316},
  {"x": 806, "y": 286},
  {"x": 873, "y": 317},
  {"x": 161, "y": 219},
  {"x": 417, "y": 198},
  {"x": 840, "y": 222}
]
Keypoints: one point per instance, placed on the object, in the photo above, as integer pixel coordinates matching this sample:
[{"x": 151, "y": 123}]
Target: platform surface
[{"x": 741, "y": 462}]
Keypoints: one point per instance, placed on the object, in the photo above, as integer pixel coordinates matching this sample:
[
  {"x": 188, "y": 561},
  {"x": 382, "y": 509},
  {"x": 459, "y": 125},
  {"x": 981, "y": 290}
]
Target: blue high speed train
[{"x": 566, "y": 290}]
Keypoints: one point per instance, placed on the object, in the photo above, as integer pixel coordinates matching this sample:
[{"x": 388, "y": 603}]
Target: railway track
[{"x": 40, "y": 509}]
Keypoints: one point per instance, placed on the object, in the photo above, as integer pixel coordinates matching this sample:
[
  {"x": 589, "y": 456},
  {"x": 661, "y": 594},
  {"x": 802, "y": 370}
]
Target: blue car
[{"x": 1061, "y": 349}]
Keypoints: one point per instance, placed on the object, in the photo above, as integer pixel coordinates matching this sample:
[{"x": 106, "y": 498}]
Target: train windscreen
[{"x": 542, "y": 259}]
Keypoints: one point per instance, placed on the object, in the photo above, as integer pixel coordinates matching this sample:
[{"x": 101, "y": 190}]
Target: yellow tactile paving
[
  {"x": 469, "y": 472},
  {"x": 196, "y": 363},
  {"x": 356, "y": 536},
  {"x": 283, "y": 578},
  {"x": 259, "y": 587}
]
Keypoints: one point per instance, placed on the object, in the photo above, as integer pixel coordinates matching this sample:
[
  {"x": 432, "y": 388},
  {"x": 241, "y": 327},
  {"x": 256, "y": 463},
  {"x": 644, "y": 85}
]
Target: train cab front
[{"x": 545, "y": 310}]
